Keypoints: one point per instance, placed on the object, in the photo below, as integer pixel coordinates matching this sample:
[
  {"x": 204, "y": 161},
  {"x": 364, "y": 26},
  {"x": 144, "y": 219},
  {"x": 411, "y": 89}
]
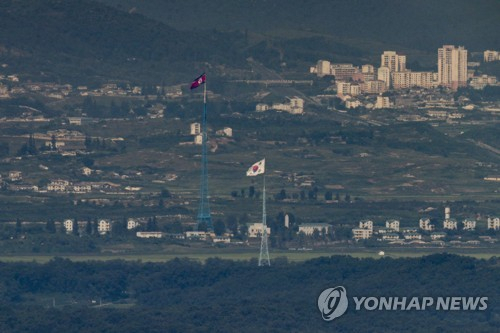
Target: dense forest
[{"x": 226, "y": 296}]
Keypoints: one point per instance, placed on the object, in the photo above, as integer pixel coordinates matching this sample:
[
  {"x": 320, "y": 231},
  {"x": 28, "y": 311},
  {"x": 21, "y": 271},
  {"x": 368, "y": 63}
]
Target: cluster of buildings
[
  {"x": 453, "y": 72},
  {"x": 195, "y": 131},
  {"x": 295, "y": 105},
  {"x": 392, "y": 232}
]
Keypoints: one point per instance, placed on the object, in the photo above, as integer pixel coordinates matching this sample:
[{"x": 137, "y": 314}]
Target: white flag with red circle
[{"x": 257, "y": 168}]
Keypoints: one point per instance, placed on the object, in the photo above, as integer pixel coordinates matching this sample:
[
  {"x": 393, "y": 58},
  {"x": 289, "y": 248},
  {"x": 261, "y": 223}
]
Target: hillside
[{"x": 79, "y": 40}]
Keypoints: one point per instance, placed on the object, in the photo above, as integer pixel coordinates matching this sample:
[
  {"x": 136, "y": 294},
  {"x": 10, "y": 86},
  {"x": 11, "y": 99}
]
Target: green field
[{"x": 293, "y": 256}]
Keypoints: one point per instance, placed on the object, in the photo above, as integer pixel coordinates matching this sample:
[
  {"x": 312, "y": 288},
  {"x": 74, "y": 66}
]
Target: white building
[
  {"x": 195, "y": 129},
  {"x": 491, "y": 56},
  {"x": 425, "y": 224},
  {"x": 221, "y": 239},
  {"x": 58, "y": 185},
  {"x": 15, "y": 175},
  {"x": 343, "y": 71},
  {"x": 86, "y": 171},
  {"x": 132, "y": 224},
  {"x": 322, "y": 68},
  {"x": 68, "y": 226},
  {"x": 353, "y": 103},
  {"x": 392, "y": 224},
  {"x": 261, "y": 107},
  {"x": 452, "y": 66},
  {"x": 198, "y": 139},
  {"x": 149, "y": 234},
  {"x": 309, "y": 228},
  {"x": 479, "y": 82},
  {"x": 361, "y": 233},
  {"x": 493, "y": 223},
  {"x": 438, "y": 235},
  {"x": 347, "y": 88},
  {"x": 366, "y": 224},
  {"x": 103, "y": 227},
  {"x": 368, "y": 72},
  {"x": 197, "y": 235},
  {"x": 469, "y": 224},
  {"x": 255, "y": 230},
  {"x": 384, "y": 74},
  {"x": 383, "y": 102},
  {"x": 391, "y": 236},
  {"x": 450, "y": 224},
  {"x": 409, "y": 79},
  {"x": 412, "y": 236},
  {"x": 373, "y": 87},
  {"x": 226, "y": 131}
]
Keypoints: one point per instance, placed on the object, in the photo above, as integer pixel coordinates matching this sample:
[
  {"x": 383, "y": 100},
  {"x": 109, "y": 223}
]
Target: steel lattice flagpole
[{"x": 204, "y": 217}]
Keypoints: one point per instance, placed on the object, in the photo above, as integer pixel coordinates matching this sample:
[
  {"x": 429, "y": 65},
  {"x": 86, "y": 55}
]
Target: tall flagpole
[
  {"x": 264, "y": 251},
  {"x": 204, "y": 208}
]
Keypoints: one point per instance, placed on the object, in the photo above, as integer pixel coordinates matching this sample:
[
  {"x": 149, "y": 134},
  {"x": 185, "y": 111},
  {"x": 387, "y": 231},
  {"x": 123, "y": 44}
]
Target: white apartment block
[
  {"x": 195, "y": 129},
  {"x": 479, "y": 82},
  {"x": 322, "y": 68},
  {"x": 368, "y": 72},
  {"x": 353, "y": 103},
  {"x": 261, "y": 107},
  {"x": 255, "y": 230},
  {"x": 382, "y": 103},
  {"x": 494, "y": 223},
  {"x": 361, "y": 233},
  {"x": 309, "y": 228},
  {"x": 373, "y": 87},
  {"x": 384, "y": 74},
  {"x": 343, "y": 71},
  {"x": 392, "y": 224},
  {"x": 103, "y": 227},
  {"x": 347, "y": 88},
  {"x": 408, "y": 79},
  {"x": 469, "y": 224},
  {"x": 450, "y": 224},
  {"x": 393, "y": 61},
  {"x": 452, "y": 66},
  {"x": 425, "y": 224},
  {"x": 491, "y": 56}
]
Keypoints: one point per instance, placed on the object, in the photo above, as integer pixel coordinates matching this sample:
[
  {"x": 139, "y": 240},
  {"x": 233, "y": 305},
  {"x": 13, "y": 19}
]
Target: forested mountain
[
  {"x": 227, "y": 296},
  {"x": 418, "y": 24},
  {"x": 85, "y": 39}
]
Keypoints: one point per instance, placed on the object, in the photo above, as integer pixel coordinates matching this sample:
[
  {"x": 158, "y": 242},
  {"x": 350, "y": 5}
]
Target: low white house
[
  {"x": 390, "y": 236},
  {"x": 132, "y": 224},
  {"x": 149, "y": 234},
  {"x": 255, "y": 230},
  {"x": 309, "y": 228},
  {"x": 450, "y": 224},
  {"x": 469, "y": 224},
  {"x": 412, "y": 236},
  {"x": 438, "y": 235}
]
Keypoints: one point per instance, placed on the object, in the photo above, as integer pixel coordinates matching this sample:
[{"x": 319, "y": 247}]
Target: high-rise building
[
  {"x": 491, "y": 56},
  {"x": 384, "y": 74},
  {"x": 393, "y": 61},
  {"x": 452, "y": 66}
]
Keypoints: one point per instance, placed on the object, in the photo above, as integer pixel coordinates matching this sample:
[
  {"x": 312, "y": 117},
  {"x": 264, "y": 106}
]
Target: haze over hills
[{"x": 419, "y": 24}]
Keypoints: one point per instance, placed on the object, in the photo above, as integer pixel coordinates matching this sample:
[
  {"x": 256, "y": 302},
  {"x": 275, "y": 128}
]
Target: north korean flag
[{"x": 199, "y": 81}]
